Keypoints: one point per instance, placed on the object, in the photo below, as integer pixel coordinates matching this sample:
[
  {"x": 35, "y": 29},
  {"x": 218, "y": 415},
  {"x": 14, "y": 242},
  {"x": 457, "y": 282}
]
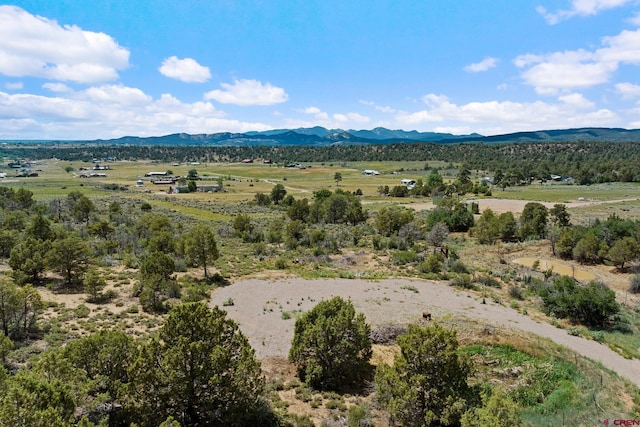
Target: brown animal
[{"x": 426, "y": 315}]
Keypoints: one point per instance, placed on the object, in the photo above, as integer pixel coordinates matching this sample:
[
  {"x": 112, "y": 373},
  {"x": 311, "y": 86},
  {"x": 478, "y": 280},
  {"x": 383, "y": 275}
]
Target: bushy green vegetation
[
  {"x": 331, "y": 347},
  {"x": 592, "y": 304},
  {"x": 427, "y": 384}
]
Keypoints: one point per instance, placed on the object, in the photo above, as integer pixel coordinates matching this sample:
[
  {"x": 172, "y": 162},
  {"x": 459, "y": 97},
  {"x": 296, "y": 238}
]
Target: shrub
[
  {"x": 489, "y": 281},
  {"x": 433, "y": 264},
  {"x": 458, "y": 266},
  {"x": 592, "y": 304},
  {"x": 463, "y": 281},
  {"x": 516, "y": 292},
  {"x": 359, "y": 416},
  {"x": 404, "y": 257},
  {"x": 331, "y": 346},
  {"x": 82, "y": 311}
]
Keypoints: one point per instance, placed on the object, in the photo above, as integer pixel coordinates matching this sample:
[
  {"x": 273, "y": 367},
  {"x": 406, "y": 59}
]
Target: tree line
[{"x": 586, "y": 162}]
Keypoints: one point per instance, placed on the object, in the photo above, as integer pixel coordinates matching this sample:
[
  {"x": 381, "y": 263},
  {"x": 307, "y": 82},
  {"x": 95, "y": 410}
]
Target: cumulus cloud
[
  {"x": 187, "y": 70},
  {"x": 576, "y": 100},
  {"x": 495, "y": 117},
  {"x": 581, "y": 68},
  {"x": 580, "y": 8},
  {"x": 38, "y": 47},
  {"x": 117, "y": 94},
  {"x": 317, "y": 113},
  {"x": 628, "y": 90},
  {"x": 110, "y": 111},
  {"x": 248, "y": 92},
  {"x": 484, "y": 65}
]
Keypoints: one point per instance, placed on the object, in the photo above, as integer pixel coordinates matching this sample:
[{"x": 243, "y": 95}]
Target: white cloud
[
  {"x": 576, "y": 100},
  {"x": 57, "y": 87},
  {"x": 110, "y": 111},
  {"x": 117, "y": 94},
  {"x": 350, "y": 118},
  {"x": 248, "y": 92},
  {"x": 38, "y": 47},
  {"x": 561, "y": 71},
  {"x": 628, "y": 90},
  {"x": 317, "y": 113},
  {"x": 322, "y": 118},
  {"x": 580, "y": 8},
  {"x": 495, "y": 117},
  {"x": 187, "y": 70},
  {"x": 14, "y": 85},
  {"x": 311, "y": 110},
  {"x": 484, "y": 65}
]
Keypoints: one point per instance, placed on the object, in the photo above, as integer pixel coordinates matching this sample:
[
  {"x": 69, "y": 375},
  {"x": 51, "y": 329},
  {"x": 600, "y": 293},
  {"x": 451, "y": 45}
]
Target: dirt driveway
[{"x": 266, "y": 309}]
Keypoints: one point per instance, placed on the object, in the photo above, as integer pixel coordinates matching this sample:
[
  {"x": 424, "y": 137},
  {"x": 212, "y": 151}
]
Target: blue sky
[{"x": 77, "y": 69}]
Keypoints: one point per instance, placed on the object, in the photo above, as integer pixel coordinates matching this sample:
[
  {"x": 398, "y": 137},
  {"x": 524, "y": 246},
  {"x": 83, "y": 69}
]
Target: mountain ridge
[{"x": 320, "y": 136}]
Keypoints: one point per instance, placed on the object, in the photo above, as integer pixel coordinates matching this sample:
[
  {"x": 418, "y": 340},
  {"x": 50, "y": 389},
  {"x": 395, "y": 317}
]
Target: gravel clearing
[{"x": 261, "y": 308}]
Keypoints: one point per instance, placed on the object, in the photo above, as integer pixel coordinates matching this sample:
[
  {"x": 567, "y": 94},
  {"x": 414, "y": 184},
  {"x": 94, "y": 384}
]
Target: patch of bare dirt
[{"x": 260, "y": 307}]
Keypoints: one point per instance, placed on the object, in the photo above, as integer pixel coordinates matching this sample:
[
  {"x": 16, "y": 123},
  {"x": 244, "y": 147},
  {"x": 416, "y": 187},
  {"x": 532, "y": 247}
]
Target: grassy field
[
  {"x": 564, "y": 193},
  {"x": 244, "y": 180}
]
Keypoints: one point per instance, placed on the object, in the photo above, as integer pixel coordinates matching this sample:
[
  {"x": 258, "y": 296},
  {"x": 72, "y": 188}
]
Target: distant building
[
  {"x": 164, "y": 181},
  {"x": 208, "y": 188},
  {"x": 370, "y": 172},
  {"x": 409, "y": 183},
  {"x": 155, "y": 174}
]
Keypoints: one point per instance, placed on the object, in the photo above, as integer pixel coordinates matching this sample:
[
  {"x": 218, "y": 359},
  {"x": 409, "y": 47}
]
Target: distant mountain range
[{"x": 320, "y": 136}]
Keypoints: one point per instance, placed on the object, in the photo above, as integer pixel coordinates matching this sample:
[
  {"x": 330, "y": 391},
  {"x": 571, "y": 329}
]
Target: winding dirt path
[{"x": 266, "y": 309}]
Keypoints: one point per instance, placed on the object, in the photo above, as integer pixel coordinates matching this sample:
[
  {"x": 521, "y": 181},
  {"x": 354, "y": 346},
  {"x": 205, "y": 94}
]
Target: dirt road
[{"x": 265, "y": 311}]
